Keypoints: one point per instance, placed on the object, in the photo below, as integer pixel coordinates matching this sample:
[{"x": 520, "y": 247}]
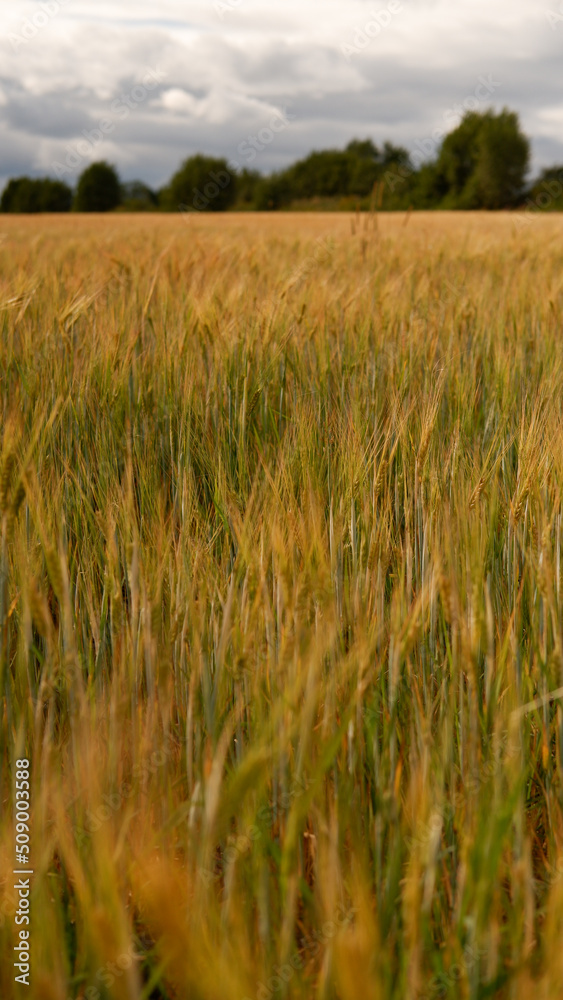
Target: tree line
[{"x": 481, "y": 164}]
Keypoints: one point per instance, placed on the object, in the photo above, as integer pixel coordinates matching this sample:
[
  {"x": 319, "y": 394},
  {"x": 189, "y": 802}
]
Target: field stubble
[{"x": 280, "y": 605}]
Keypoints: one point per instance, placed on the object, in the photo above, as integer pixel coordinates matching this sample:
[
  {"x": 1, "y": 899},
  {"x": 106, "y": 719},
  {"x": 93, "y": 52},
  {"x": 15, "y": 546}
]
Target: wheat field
[{"x": 281, "y": 627}]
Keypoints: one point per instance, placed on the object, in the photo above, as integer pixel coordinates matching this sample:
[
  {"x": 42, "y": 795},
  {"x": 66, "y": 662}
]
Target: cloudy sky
[{"x": 263, "y": 82}]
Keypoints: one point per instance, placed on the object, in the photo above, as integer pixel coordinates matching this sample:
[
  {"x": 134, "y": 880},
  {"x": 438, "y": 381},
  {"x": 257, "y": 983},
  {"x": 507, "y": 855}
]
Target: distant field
[{"x": 281, "y": 613}]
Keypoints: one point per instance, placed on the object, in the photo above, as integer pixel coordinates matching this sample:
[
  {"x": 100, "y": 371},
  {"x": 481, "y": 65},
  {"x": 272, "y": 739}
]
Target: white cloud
[{"x": 178, "y": 100}]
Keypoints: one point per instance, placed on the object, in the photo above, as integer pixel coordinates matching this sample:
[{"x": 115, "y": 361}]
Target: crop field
[{"x": 281, "y": 609}]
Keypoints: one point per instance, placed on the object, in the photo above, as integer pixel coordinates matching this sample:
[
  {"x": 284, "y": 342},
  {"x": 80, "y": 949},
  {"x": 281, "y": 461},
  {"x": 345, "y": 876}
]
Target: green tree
[
  {"x": 503, "y": 161},
  {"x": 484, "y": 161},
  {"x": 429, "y": 187},
  {"x": 363, "y": 149},
  {"x": 98, "y": 189},
  {"x": 202, "y": 184},
  {"x": 55, "y": 196},
  {"x": 547, "y": 190},
  {"x": 25, "y": 194},
  {"x": 322, "y": 173},
  {"x": 332, "y": 173},
  {"x": 362, "y": 176},
  {"x": 457, "y": 160},
  {"x": 395, "y": 156},
  {"x": 137, "y": 197},
  {"x": 365, "y": 166},
  {"x": 274, "y": 192},
  {"x": 248, "y": 187}
]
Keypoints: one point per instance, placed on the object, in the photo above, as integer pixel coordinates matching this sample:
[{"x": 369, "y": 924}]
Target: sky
[{"x": 263, "y": 82}]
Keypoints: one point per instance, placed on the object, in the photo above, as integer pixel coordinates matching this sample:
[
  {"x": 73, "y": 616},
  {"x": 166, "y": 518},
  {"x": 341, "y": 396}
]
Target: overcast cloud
[{"x": 213, "y": 75}]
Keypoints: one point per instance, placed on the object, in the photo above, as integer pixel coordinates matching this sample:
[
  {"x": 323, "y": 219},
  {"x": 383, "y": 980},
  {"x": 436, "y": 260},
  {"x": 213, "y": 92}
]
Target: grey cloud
[{"x": 56, "y": 116}]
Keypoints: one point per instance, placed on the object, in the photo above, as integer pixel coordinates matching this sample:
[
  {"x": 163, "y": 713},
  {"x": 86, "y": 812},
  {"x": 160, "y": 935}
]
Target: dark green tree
[
  {"x": 363, "y": 149},
  {"x": 484, "y": 161},
  {"x": 248, "y": 187},
  {"x": 503, "y": 161},
  {"x": 274, "y": 192},
  {"x": 138, "y": 197},
  {"x": 395, "y": 156},
  {"x": 98, "y": 189},
  {"x": 202, "y": 184},
  {"x": 547, "y": 190},
  {"x": 332, "y": 173},
  {"x": 365, "y": 166},
  {"x": 362, "y": 177},
  {"x": 25, "y": 194},
  {"x": 20, "y": 195},
  {"x": 457, "y": 161},
  {"x": 428, "y": 187},
  {"x": 321, "y": 174},
  {"x": 55, "y": 196}
]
